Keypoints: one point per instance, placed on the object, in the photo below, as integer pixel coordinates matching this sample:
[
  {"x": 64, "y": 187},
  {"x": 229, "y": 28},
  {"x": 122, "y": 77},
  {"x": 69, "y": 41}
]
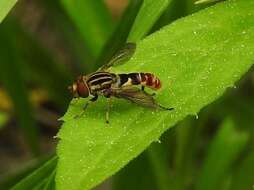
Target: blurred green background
[{"x": 45, "y": 44}]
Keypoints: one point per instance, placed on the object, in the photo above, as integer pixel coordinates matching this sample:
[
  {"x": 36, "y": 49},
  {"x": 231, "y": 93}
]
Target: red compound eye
[{"x": 82, "y": 88}]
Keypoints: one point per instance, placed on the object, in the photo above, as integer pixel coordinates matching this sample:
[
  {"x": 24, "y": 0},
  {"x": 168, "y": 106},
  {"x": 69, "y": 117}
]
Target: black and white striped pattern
[{"x": 101, "y": 80}]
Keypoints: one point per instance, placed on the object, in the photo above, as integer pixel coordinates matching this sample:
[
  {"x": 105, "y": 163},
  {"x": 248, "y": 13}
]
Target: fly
[{"x": 125, "y": 85}]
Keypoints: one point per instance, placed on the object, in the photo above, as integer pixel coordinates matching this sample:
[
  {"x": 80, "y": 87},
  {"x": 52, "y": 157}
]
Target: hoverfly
[{"x": 107, "y": 84}]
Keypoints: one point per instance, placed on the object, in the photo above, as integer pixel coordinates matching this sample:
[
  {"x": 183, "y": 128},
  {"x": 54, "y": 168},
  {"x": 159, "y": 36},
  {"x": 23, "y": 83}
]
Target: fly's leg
[
  {"x": 86, "y": 105},
  {"x": 143, "y": 89},
  {"x": 91, "y": 100},
  {"x": 108, "y": 109},
  {"x": 153, "y": 94},
  {"x": 107, "y": 93},
  {"x": 165, "y": 108}
]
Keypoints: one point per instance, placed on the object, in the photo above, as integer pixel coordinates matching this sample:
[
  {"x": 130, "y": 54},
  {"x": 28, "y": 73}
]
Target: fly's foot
[
  {"x": 165, "y": 108},
  {"x": 108, "y": 110},
  {"x": 143, "y": 89}
]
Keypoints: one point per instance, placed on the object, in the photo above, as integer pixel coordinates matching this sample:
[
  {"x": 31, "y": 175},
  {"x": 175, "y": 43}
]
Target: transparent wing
[
  {"x": 122, "y": 56},
  {"x": 138, "y": 96}
]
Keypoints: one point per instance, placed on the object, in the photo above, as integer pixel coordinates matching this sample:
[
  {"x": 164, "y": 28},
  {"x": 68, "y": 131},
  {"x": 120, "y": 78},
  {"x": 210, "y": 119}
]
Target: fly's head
[{"x": 79, "y": 88}]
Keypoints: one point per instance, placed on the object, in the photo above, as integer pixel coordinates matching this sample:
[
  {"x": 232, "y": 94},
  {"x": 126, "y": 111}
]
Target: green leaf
[
  {"x": 159, "y": 163},
  {"x": 12, "y": 177},
  {"x": 69, "y": 36},
  {"x": 16, "y": 89},
  {"x": 93, "y": 21},
  {"x": 225, "y": 148},
  {"x": 196, "y": 58},
  {"x": 187, "y": 136},
  {"x": 175, "y": 10},
  {"x": 28, "y": 50},
  {"x": 135, "y": 175},
  {"x": 206, "y": 1},
  {"x": 244, "y": 176},
  {"x": 152, "y": 165},
  {"x": 3, "y": 119},
  {"x": 5, "y": 7},
  {"x": 50, "y": 185},
  {"x": 38, "y": 176},
  {"x": 144, "y": 21},
  {"x": 41, "y": 184}
]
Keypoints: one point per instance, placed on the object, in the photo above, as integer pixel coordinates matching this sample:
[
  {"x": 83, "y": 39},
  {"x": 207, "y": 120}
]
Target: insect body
[
  {"x": 107, "y": 84},
  {"x": 143, "y": 79}
]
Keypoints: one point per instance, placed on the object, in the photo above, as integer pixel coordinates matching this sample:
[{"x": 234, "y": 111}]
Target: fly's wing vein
[
  {"x": 137, "y": 96},
  {"x": 122, "y": 56}
]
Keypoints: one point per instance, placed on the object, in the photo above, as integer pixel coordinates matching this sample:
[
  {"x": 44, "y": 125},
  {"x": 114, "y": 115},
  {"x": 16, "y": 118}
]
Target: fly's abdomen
[
  {"x": 144, "y": 79},
  {"x": 150, "y": 80}
]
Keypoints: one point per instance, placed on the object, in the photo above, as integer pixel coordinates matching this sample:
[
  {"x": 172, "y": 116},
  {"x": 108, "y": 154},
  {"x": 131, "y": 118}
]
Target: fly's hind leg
[
  {"x": 158, "y": 105},
  {"x": 165, "y": 108},
  {"x": 107, "y": 93},
  {"x": 143, "y": 89},
  {"x": 86, "y": 105}
]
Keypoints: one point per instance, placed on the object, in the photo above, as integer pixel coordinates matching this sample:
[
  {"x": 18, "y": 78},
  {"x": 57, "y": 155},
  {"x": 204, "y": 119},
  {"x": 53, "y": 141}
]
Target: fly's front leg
[
  {"x": 86, "y": 105},
  {"x": 93, "y": 99},
  {"x": 108, "y": 109}
]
